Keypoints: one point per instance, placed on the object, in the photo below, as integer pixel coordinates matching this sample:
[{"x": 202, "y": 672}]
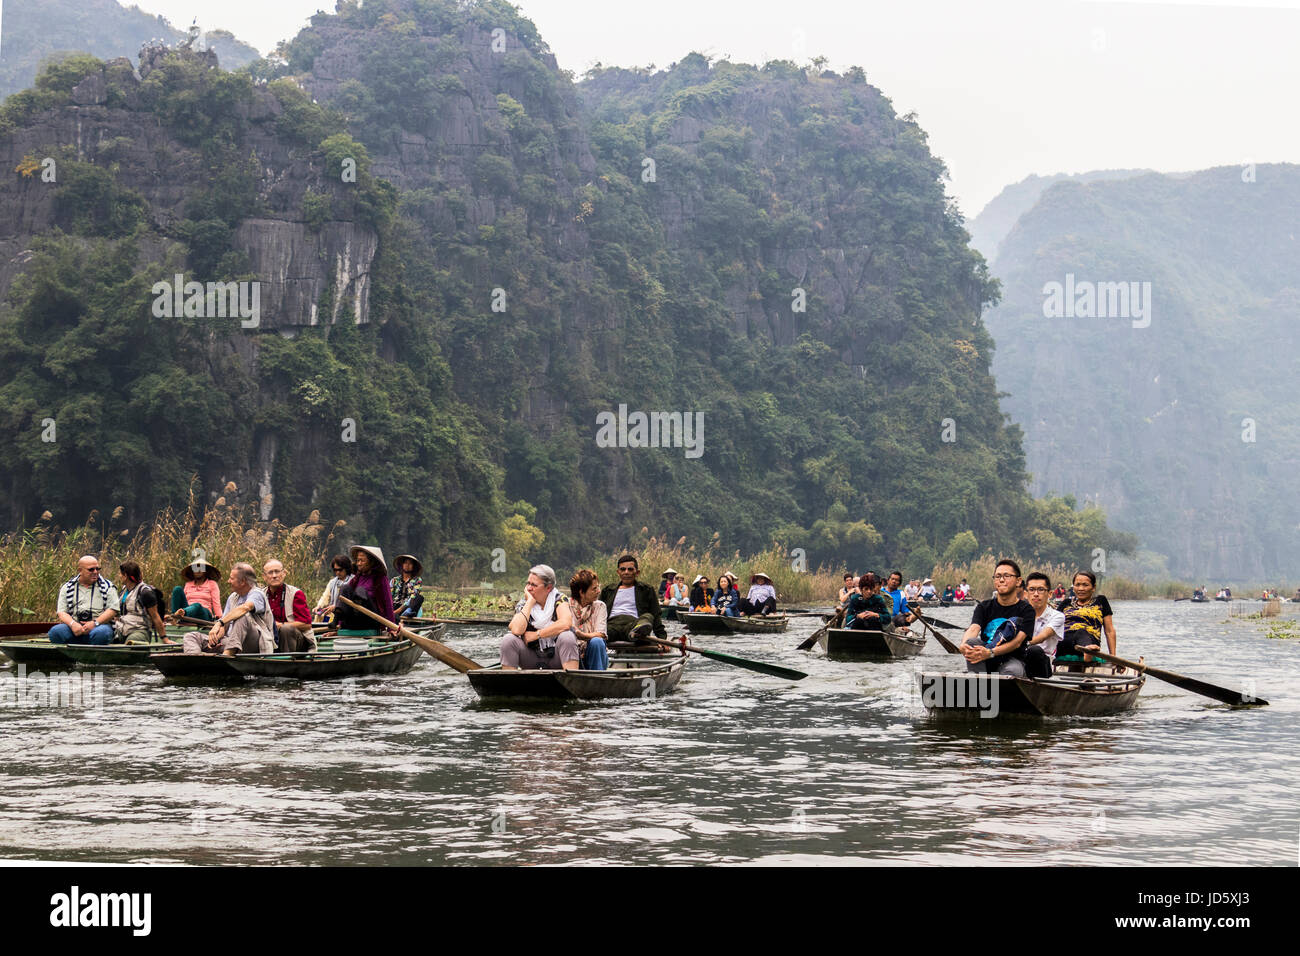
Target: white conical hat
[{"x": 373, "y": 550}]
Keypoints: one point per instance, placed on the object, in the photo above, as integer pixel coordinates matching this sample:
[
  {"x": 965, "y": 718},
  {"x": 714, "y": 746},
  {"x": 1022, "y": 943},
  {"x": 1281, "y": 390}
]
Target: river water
[{"x": 734, "y": 767}]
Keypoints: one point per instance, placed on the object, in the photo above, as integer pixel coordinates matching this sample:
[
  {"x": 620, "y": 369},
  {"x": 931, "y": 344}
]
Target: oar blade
[
  {"x": 441, "y": 652},
  {"x": 1225, "y": 694},
  {"x": 775, "y": 670}
]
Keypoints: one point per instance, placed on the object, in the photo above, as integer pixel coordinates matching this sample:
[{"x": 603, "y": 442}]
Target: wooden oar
[
  {"x": 773, "y": 669},
  {"x": 836, "y": 619},
  {"x": 947, "y": 645},
  {"x": 442, "y": 652},
  {"x": 1186, "y": 683}
]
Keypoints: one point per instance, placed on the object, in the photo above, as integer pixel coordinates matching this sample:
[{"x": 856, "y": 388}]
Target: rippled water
[{"x": 842, "y": 767}]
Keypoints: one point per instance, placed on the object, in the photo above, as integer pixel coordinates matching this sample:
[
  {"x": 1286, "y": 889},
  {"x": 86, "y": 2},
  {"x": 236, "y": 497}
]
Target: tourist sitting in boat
[
  {"x": 407, "y": 596},
  {"x": 701, "y": 594},
  {"x": 341, "y": 567},
  {"x": 903, "y": 615},
  {"x": 138, "y": 618},
  {"x": 289, "y": 608},
  {"x": 244, "y": 626},
  {"x": 677, "y": 593},
  {"x": 761, "y": 599},
  {"x": 927, "y": 590},
  {"x": 1087, "y": 616},
  {"x": 368, "y": 587},
  {"x": 590, "y": 618},
  {"x": 847, "y": 591},
  {"x": 962, "y": 592},
  {"x": 913, "y": 591},
  {"x": 633, "y": 606},
  {"x": 1000, "y": 626},
  {"x": 86, "y": 606},
  {"x": 1049, "y": 625},
  {"x": 726, "y": 599},
  {"x": 200, "y": 596},
  {"x": 867, "y": 609},
  {"x": 948, "y": 593},
  {"x": 1059, "y": 594},
  {"x": 666, "y": 584},
  {"x": 541, "y": 632}
]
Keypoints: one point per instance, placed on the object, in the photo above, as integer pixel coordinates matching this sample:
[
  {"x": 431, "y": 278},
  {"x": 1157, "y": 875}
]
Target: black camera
[{"x": 84, "y": 616}]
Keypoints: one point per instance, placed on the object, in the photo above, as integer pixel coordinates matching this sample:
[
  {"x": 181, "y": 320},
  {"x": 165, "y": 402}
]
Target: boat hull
[
  {"x": 1097, "y": 692},
  {"x": 849, "y": 644},
  {"x": 397, "y": 658},
  {"x": 627, "y": 678}
]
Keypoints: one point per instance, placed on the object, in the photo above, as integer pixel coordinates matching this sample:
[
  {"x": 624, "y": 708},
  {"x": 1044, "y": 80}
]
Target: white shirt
[
  {"x": 1054, "y": 619},
  {"x": 624, "y": 602},
  {"x": 760, "y": 592}
]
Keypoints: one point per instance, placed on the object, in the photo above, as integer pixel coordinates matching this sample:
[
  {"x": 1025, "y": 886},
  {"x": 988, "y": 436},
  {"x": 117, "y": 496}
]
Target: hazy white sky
[{"x": 1005, "y": 88}]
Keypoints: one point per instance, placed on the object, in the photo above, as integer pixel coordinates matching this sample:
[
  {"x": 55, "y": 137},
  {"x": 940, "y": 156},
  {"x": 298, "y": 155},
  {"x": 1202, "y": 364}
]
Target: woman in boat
[
  {"x": 589, "y": 618},
  {"x": 947, "y": 593},
  {"x": 701, "y": 594},
  {"x": 866, "y": 609},
  {"x": 1087, "y": 616},
  {"x": 325, "y": 609},
  {"x": 677, "y": 594},
  {"x": 541, "y": 632},
  {"x": 200, "y": 596},
  {"x": 139, "y": 607},
  {"x": 368, "y": 587},
  {"x": 407, "y": 596},
  {"x": 762, "y": 596},
  {"x": 927, "y": 590},
  {"x": 726, "y": 600}
]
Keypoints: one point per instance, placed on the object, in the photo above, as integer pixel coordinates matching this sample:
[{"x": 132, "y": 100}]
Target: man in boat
[
  {"x": 541, "y": 632},
  {"x": 289, "y": 608},
  {"x": 633, "y": 606},
  {"x": 903, "y": 615},
  {"x": 847, "y": 591},
  {"x": 138, "y": 613},
  {"x": 927, "y": 590},
  {"x": 406, "y": 586},
  {"x": 762, "y": 596},
  {"x": 1049, "y": 625},
  {"x": 86, "y": 606},
  {"x": 1000, "y": 627},
  {"x": 245, "y": 625},
  {"x": 867, "y": 609}
]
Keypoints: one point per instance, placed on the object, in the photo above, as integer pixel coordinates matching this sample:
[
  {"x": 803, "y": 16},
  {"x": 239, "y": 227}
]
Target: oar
[
  {"x": 442, "y": 652},
  {"x": 772, "y": 669},
  {"x": 837, "y": 619},
  {"x": 1186, "y": 683},
  {"x": 948, "y": 645}
]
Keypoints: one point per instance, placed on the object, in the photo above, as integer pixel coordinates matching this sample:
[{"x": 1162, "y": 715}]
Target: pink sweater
[{"x": 207, "y": 593}]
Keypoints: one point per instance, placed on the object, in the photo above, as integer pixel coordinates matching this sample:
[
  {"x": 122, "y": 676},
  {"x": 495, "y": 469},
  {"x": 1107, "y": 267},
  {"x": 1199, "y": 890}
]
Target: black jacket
[{"x": 647, "y": 602}]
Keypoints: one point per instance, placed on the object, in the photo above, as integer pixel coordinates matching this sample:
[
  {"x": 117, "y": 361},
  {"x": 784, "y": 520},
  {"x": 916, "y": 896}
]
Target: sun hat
[
  {"x": 375, "y": 552},
  {"x": 397, "y": 561}
]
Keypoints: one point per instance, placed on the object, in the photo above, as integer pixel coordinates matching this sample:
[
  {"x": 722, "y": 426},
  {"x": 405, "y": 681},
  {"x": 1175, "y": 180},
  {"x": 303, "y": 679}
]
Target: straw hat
[
  {"x": 408, "y": 557},
  {"x": 759, "y": 574},
  {"x": 928, "y": 581},
  {"x": 698, "y": 579},
  {"x": 375, "y": 552},
  {"x": 669, "y": 571},
  {"x": 198, "y": 567}
]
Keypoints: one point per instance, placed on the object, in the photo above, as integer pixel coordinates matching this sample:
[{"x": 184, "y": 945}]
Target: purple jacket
[{"x": 375, "y": 587}]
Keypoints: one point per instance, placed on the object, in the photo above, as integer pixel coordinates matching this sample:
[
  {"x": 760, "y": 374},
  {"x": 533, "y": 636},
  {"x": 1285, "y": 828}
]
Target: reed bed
[{"x": 34, "y": 563}]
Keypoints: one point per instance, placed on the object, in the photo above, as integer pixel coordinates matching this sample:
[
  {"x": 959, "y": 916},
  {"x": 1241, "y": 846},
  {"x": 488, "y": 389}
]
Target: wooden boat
[
  {"x": 703, "y": 622},
  {"x": 30, "y": 644},
  {"x": 377, "y": 656},
  {"x": 670, "y": 612},
  {"x": 849, "y": 644},
  {"x": 965, "y": 602},
  {"x": 1100, "y": 690},
  {"x": 645, "y": 676}
]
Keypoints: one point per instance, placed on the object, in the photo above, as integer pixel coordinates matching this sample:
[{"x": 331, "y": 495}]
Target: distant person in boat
[
  {"x": 244, "y": 626},
  {"x": 1000, "y": 626},
  {"x": 903, "y": 615},
  {"x": 847, "y": 591},
  {"x": 590, "y": 618},
  {"x": 913, "y": 591},
  {"x": 867, "y": 609},
  {"x": 633, "y": 606},
  {"x": 726, "y": 600},
  {"x": 666, "y": 584},
  {"x": 701, "y": 594},
  {"x": 293, "y": 633},
  {"x": 367, "y": 587},
  {"x": 138, "y": 613},
  {"x": 761, "y": 599},
  {"x": 341, "y": 569},
  {"x": 1049, "y": 625},
  {"x": 405, "y": 586},
  {"x": 927, "y": 590},
  {"x": 678, "y": 596},
  {"x": 1059, "y": 593},
  {"x": 948, "y": 593},
  {"x": 962, "y": 592},
  {"x": 541, "y": 634},
  {"x": 86, "y": 606},
  {"x": 1087, "y": 616},
  {"x": 200, "y": 596}
]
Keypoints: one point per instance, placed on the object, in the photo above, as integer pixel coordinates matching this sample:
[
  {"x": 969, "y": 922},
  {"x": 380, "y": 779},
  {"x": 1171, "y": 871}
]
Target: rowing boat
[
  {"x": 29, "y": 644},
  {"x": 703, "y": 622},
  {"x": 646, "y": 676},
  {"x": 328, "y": 662},
  {"x": 851, "y": 644},
  {"x": 1100, "y": 690}
]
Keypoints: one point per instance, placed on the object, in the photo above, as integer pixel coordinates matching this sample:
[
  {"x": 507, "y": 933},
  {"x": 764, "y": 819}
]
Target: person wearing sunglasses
[{"x": 87, "y": 605}]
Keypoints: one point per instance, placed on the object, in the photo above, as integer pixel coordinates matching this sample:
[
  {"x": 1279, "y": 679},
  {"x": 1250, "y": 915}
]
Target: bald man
[
  {"x": 289, "y": 608},
  {"x": 86, "y": 605}
]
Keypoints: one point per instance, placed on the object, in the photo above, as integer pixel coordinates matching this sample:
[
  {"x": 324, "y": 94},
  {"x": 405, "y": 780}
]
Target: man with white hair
[
  {"x": 245, "y": 626},
  {"x": 541, "y": 632},
  {"x": 86, "y": 606}
]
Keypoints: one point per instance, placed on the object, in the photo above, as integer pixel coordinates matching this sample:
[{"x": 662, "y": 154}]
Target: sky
[{"x": 1004, "y": 88}]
